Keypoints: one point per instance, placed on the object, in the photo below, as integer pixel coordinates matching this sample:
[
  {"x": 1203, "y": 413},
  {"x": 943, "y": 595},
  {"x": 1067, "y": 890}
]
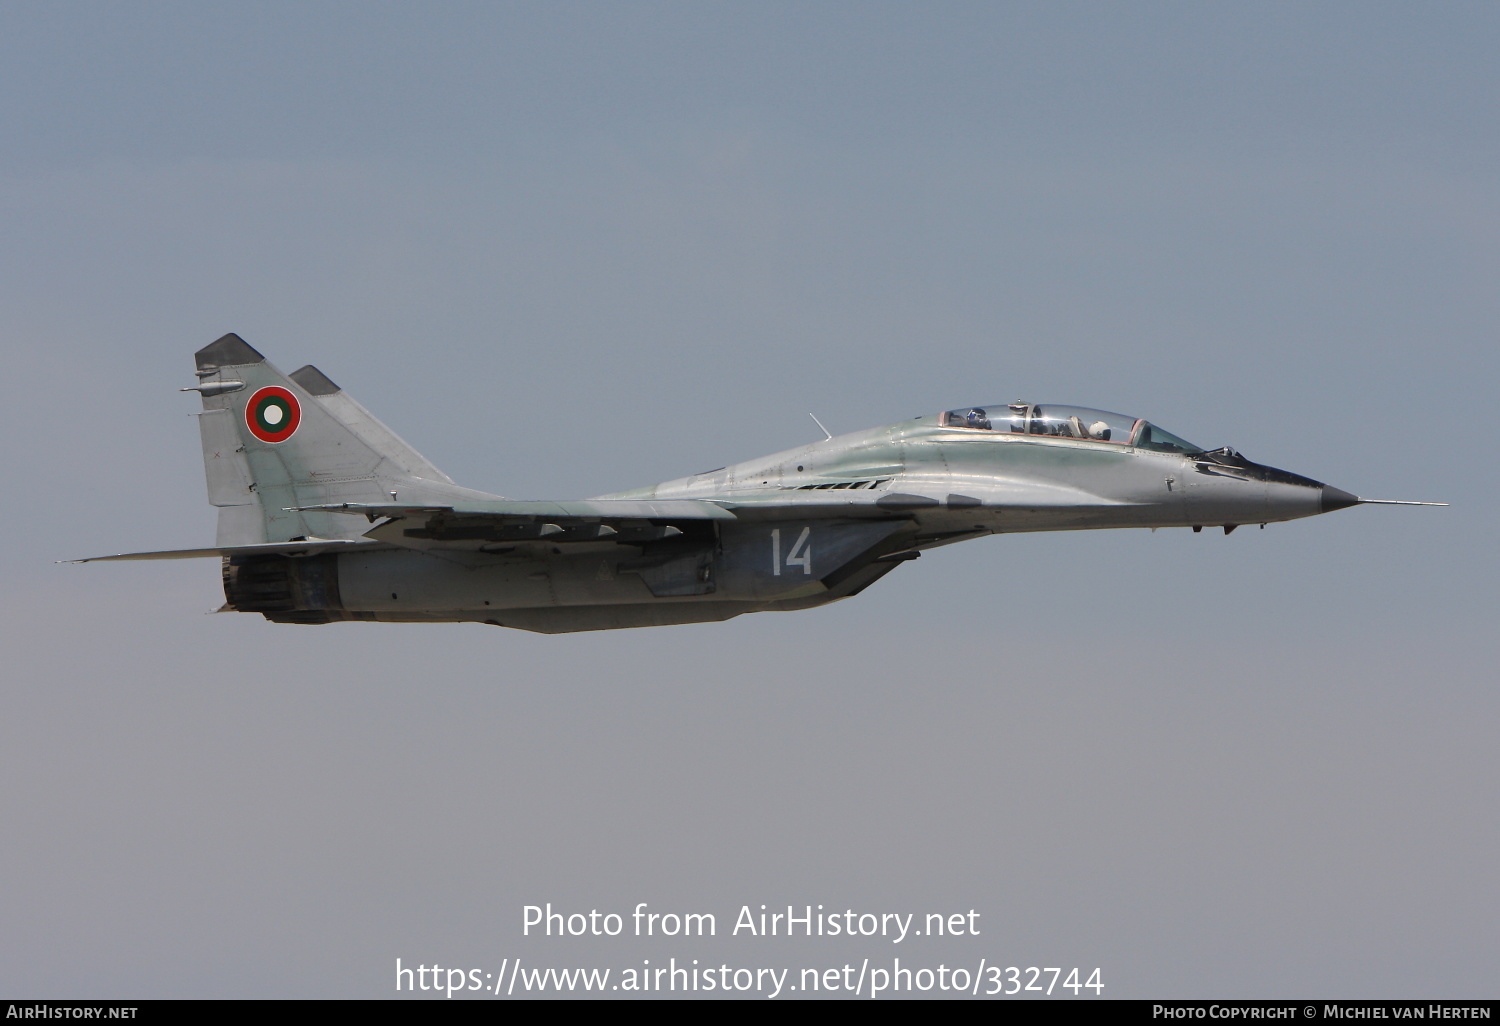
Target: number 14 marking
[{"x": 800, "y": 554}]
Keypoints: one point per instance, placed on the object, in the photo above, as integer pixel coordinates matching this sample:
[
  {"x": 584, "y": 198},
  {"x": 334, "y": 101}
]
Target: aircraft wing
[
  {"x": 575, "y": 520},
  {"x": 593, "y": 510},
  {"x": 480, "y": 523},
  {"x": 311, "y": 547}
]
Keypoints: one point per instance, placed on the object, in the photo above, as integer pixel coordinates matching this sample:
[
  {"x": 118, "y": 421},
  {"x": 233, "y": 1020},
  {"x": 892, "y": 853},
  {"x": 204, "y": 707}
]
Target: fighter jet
[{"x": 325, "y": 514}]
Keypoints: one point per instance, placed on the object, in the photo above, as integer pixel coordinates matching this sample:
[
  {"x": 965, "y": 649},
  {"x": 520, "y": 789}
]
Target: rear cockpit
[{"x": 1073, "y": 422}]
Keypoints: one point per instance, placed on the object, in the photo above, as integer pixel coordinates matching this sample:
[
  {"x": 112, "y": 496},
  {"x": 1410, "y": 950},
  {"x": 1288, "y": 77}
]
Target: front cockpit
[{"x": 1074, "y": 422}]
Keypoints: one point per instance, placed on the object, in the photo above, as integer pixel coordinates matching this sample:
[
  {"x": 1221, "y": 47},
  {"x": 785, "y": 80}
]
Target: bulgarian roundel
[{"x": 272, "y": 414}]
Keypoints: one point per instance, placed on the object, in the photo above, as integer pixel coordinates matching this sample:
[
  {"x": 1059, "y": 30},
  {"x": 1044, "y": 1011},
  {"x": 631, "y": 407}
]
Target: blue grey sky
[{"x": 571, "y": 248}]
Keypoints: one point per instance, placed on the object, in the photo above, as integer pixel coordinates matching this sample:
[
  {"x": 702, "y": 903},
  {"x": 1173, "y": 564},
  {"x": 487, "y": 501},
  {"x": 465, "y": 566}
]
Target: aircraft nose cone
[{"x": 1337, "y": 498}]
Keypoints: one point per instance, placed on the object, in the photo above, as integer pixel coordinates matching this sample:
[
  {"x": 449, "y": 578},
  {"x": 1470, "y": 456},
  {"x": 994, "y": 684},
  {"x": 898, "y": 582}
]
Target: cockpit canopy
[{"x": 1067, "y": 422}]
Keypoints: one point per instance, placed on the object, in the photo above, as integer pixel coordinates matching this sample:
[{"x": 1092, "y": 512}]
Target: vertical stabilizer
[
  {"x": 272, "y": 442},
  {"x": 347, "y": 411}
]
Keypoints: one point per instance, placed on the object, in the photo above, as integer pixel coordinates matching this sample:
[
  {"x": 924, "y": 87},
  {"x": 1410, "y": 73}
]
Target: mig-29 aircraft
[{"x": 325, "y": 514}]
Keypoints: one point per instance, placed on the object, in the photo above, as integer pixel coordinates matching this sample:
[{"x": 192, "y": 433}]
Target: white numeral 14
[{"x": 800, "y": 554}]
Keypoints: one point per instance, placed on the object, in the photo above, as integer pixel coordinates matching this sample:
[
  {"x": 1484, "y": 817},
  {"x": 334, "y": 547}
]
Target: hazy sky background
[{"x": 571, "y": 248}]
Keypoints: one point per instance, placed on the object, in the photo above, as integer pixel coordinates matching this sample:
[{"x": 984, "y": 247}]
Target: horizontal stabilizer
[
  {"x": 313, "y": 547},
  {"x": 578, "y": 509}
]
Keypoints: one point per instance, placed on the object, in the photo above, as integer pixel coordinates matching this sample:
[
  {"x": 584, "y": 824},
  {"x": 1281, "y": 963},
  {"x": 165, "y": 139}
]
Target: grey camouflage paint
[{"x": 333, "y": 517}]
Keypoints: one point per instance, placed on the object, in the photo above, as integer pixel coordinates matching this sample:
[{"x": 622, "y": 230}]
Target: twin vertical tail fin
[{"x": 274, "y": 442}]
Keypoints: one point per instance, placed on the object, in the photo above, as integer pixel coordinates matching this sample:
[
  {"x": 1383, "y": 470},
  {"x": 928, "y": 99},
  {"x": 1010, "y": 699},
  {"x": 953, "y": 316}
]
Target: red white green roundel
[{"x": 272, "y": 414}]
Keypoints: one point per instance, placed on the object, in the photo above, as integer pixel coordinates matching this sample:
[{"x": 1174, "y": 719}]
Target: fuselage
[
  {"x": 326, "y": 515},
  {"x": 955, "y": 480}
]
